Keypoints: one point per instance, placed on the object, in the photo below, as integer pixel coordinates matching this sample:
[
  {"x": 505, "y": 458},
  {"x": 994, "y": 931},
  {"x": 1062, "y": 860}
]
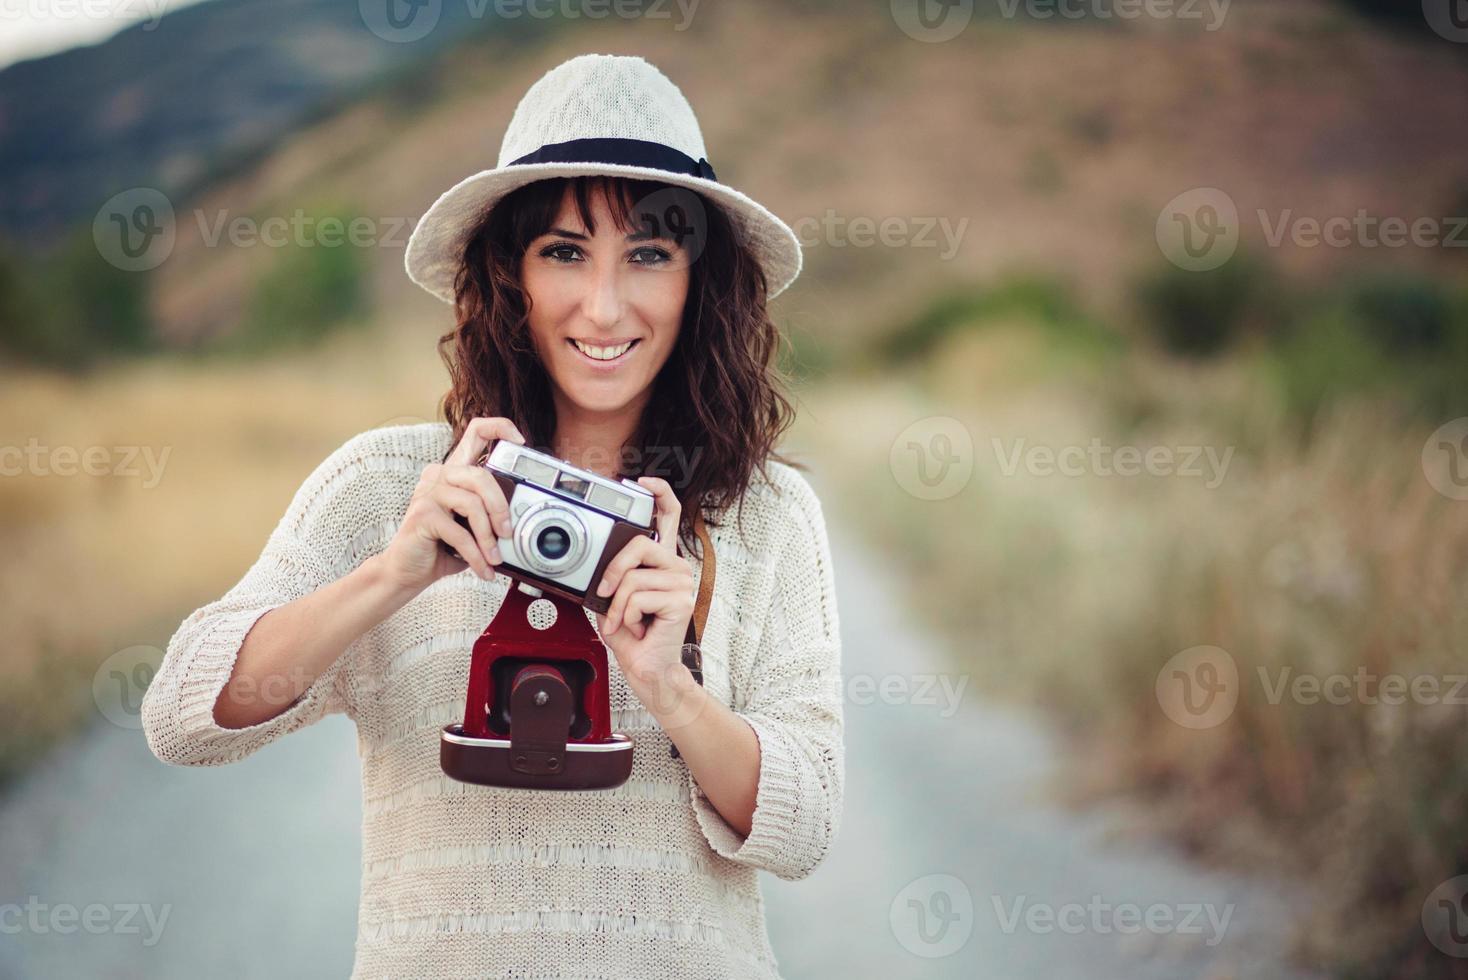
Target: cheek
[
  {"x": 663, "y": 299},
  {"x": 547, "y": 305}
]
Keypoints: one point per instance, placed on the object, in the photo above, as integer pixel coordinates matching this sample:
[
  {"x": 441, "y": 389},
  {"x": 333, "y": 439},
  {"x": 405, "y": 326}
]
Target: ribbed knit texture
[{"x": 645, "y": 880}]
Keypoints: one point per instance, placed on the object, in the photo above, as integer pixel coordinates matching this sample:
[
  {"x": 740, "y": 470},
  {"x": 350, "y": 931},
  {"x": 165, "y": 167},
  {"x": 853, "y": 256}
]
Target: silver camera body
[{"x": 564, "y": 519}]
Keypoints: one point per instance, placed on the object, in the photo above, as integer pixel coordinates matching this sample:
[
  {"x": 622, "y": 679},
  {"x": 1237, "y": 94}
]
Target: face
[{"x": 605, "y": 309}]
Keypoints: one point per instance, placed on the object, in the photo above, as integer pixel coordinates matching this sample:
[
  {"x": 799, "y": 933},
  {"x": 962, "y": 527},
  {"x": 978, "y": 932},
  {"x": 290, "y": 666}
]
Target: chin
[{"x": 599, "y": 401}]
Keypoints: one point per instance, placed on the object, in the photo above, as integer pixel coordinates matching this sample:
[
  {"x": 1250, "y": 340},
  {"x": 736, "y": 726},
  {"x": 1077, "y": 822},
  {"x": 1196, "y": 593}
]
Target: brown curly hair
[{"x": 720, "y": 397}]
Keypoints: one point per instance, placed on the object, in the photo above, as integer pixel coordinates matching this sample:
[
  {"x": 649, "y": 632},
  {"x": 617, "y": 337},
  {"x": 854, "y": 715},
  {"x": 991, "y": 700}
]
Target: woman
[{"x": 610, "y": 298}]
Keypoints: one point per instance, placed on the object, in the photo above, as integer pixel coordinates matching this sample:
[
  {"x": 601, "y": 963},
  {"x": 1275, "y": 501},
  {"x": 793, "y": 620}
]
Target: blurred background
[{"x": 1130, "y": 353}]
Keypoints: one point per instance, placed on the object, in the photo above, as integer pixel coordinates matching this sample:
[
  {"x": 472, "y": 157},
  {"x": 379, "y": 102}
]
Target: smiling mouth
[{"x": 604, "y": 355}]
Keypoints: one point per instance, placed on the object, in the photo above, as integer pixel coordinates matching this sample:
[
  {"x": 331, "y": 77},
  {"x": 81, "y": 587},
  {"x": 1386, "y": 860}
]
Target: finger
[
  {"x": 668, "y": 508},
  {"x": 469, "y": 504},
  {"x": 643, "y": 580},
  {"x": 478, "y": 434},
  {"x": 640, "y": 552},
  {"x": 668, "y": 606},
  {"x": 482, "y": 483},
  {"x": 450, "y": 533}
]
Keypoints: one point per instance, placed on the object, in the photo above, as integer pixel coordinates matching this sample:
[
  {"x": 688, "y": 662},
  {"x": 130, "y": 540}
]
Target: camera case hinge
[{"x": 540, "y": 703}]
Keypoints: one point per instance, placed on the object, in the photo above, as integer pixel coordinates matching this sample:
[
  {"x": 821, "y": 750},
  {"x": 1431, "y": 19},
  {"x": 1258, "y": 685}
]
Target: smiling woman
[
  {"x": 564, "y": 272},
  {"x": 610, "y": 305}
]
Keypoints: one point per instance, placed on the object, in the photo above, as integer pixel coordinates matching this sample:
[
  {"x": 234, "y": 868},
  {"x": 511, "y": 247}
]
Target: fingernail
[
  {"x": 494, "y": 554},
  {"x": 602, "y": 588}
]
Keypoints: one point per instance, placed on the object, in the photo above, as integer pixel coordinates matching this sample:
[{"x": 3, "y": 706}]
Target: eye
[
  {"x": 558, "y": 252},
  {"x": 651, "y": 255}
]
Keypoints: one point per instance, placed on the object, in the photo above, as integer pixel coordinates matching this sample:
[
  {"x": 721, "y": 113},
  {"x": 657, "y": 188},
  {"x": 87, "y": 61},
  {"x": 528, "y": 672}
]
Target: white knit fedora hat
[{"x": 595, "y": 114}]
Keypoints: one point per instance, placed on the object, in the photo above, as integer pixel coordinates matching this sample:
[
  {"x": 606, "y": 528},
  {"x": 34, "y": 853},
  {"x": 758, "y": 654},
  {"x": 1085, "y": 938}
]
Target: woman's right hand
[{"x": 415, "y": 558}]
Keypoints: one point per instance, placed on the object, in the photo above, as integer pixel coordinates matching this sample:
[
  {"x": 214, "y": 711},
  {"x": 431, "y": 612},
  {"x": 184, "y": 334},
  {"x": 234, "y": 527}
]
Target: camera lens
[
  {"x": 553, "y": 542},
  {"x": 551, "y": 539}
]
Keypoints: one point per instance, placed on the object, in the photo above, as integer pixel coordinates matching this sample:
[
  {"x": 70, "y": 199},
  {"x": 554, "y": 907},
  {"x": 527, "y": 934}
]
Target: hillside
[
  {"x": 1009, "y": 148},
  {"x": 166, "y": 103}
]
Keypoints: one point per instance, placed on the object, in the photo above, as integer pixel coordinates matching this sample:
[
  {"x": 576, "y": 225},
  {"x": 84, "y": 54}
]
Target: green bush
[
  {"x": 308, "y": 290},
  {"x": 70, "y": 308},
  {"x": 1408, "y": 315},
  {"x": 1404, "y": 338},
  {"x": 1323, "y": 359},
  {"x": 1043, "y": 302},
  {"x": 1202, "y": 314}
]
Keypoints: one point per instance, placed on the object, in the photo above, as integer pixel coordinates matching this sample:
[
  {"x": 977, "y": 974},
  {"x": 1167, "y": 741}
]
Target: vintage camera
[
  {"x": 537, "y": 712},
  {"x": 567, "y": 522}
]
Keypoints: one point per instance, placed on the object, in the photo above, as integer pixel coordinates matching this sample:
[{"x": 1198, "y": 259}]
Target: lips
[{"x": 604, "y": 355}]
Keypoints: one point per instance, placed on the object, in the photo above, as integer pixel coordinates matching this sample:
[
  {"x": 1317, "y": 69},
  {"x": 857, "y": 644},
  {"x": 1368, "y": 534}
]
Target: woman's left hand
[{"x": 651, "y": 587}]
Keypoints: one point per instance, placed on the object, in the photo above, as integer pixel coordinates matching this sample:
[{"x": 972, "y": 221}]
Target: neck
[{"x": 594, "y": 440}]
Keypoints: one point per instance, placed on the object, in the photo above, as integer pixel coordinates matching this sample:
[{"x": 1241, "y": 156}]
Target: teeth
[{"x": 602, "y": 353}]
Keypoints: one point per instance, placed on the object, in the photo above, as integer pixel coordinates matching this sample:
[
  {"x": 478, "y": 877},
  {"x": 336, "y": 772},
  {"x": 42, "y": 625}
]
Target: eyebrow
[{"x": 636, "y": 236}]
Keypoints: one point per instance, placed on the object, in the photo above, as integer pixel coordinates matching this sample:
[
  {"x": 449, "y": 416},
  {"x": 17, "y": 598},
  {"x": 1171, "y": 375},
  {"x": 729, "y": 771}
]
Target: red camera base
[{"x": 538, "y": 711}]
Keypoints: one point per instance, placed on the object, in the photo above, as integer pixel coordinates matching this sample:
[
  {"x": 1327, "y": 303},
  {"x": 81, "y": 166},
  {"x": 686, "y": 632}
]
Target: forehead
[
  {"x": 599, "y": 209},
  {"x": 615, "y": 218}
]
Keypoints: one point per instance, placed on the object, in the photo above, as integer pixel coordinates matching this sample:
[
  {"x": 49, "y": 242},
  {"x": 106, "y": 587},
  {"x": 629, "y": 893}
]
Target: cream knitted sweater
[{"x": 644, "y": 880}]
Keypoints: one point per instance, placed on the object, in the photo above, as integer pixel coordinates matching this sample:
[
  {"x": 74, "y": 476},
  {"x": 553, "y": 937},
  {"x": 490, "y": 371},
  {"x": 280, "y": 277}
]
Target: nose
[{"x": 602, "y": 304}]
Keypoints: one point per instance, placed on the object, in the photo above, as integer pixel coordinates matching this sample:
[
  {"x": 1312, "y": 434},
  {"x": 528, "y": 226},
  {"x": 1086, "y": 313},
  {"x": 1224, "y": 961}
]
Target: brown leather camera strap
[
  {"x": 706, "y": 579},
  {"x": 705, "y": 593},
  {"x": 692, "y": 655}
]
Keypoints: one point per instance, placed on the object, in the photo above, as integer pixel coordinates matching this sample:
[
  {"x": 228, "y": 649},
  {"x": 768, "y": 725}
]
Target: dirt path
[{"x": 949, "y": 863}]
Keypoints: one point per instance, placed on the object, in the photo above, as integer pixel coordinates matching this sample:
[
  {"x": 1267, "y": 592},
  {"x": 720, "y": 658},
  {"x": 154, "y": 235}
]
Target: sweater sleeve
[
  {"x": 793, "y": 703},
  {"x": 178, "y": 706}
]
